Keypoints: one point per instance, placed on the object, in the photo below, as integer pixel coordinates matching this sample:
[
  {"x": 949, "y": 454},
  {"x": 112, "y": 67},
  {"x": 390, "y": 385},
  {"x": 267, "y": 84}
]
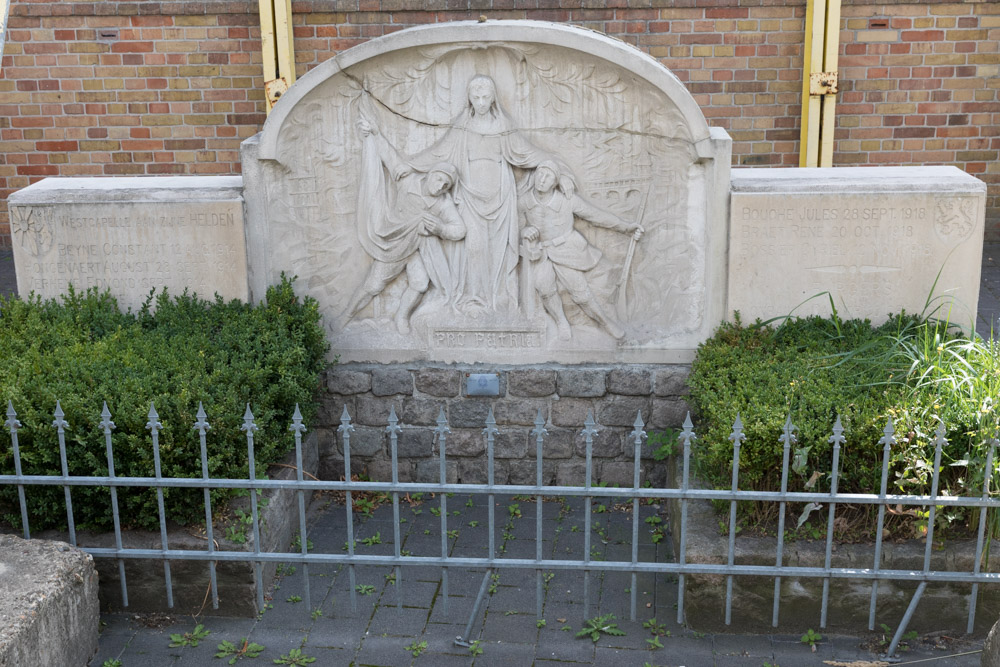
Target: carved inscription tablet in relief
[
  {"x": 77, "y": 237},
  {"x": 508, "y": 198},
  {"x": 876, "y": 247}
]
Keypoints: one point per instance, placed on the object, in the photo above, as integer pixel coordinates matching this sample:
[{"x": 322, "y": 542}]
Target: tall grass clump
[
  {"x": 82, "y": 350},
  {"x": 918, "y": 371}
]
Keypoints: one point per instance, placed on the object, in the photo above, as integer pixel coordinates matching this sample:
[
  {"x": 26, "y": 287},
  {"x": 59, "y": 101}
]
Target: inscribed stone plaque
[
  {"x": 131, "y": 236},
  {"x": 874, "y": 238},
  {"x": 507, "y": 191}
]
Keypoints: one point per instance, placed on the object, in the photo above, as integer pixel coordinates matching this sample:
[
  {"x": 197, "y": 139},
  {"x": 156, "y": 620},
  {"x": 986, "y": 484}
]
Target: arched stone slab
[{"x": 574, "y": 212}]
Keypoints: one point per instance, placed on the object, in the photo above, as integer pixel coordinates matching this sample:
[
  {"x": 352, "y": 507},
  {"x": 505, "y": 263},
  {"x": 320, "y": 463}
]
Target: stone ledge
[{"x": 48, "y": 612}]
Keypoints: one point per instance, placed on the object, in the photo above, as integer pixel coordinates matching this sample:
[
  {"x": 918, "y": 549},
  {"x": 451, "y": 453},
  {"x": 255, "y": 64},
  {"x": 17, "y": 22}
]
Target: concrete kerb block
[
  {"x": 49, "y": 611},
  {"x": 991, "y": 648}
]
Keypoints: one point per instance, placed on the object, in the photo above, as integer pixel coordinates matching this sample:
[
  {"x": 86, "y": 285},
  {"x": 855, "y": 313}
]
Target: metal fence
[{"x": 684, "y": 494}]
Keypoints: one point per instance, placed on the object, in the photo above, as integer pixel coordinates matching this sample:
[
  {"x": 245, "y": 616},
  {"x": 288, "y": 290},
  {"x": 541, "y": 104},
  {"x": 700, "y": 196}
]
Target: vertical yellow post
[
  {"x": 285, "y": 40},
  {"x": 278, "y": 48},
  {"x": 812, "y": 63},
  {"x": 4, "y": 9},
  {"x": 829, "y": 112}
]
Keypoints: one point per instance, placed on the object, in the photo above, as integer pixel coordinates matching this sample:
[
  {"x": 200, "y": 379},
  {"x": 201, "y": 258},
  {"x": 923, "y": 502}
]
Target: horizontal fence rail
[{"x": 398, "y": 560}]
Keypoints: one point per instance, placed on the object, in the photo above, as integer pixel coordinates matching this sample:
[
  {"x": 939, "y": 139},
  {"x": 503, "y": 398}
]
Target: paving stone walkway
[{"x": 420, "y": 632}]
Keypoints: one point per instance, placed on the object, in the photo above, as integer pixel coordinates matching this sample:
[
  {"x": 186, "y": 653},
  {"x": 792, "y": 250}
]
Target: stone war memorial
[
  {"x": 517, "y": 216},
  {"x": 512, "y": 196}
]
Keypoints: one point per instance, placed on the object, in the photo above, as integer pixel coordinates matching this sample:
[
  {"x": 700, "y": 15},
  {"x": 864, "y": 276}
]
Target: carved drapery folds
[{"x": 493, "y": 194}]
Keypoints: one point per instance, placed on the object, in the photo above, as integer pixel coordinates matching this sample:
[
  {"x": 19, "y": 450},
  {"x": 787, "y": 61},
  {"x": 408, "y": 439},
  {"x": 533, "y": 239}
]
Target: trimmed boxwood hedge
[
  {"x": 82, "y": 350},
  {"x": 920, "y": 372}
]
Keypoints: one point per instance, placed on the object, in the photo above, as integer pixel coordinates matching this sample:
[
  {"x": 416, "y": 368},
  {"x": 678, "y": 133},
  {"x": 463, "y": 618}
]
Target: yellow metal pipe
[
  {"x": 267, "y": 47},
  {"x": 828, "y": 123},
  {"x": 812, "y": 63},
  {"x": 4, "y": 13},
  {"x": 277, "y": 48},
  {"x": 286, "y": 42}
]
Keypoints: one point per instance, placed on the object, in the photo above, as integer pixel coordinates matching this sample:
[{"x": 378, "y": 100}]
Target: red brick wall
[{"x": 172, "y": 87}]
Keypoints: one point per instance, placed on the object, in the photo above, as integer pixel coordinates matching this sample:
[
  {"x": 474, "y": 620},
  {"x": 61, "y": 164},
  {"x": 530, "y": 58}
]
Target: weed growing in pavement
[
  {"x": 598, "y": 625},
  {"x": 416, "y": 648},
  {"x": 295, "y": 657},
  {"x": 242, "y": 649},
  {"x": 189, "y": 638}
]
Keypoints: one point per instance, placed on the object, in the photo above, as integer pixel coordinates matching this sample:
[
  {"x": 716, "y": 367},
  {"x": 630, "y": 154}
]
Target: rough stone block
[
  {"x": 607, "y": 444},
  {"x": 672, "y": 381},
  {"x": 365, "y": 441},
  {"x": 581, "y": 383},
  {"x": 49, "y": 610},
  {"x": 421, "y": 411},
  {"x": 532, "y": 382},
  {"x": 392, "y": 381},
  {"x": 465, "y": 442},
  {"x": 622, "y": 410},
  {"x": 558, "y": 444},
  {"x": 374, "y": 411},
  {"x": 331, "y": 409},
  {"x": 668, "y": 413},
  {"x": 524, "y": 472},
  {"x": 416, "y": 443},
  {"x": 468, "y": 413},
  {"x": 630, "y": 381},
  {"x": 522, "y": 412},
  {"x": 438, "y": 382},
  {"x": 380, "y": 470},
  {"x": 571, "y": 412},
  {"x": 430, "y": 471},
  {"x": 346, "y": 381},
  {"x": 510, "y": 444},
  {"x": 618, "y": 473},
  {"x": 571, "y": 474},
  {"x": 471, "y": 472}
]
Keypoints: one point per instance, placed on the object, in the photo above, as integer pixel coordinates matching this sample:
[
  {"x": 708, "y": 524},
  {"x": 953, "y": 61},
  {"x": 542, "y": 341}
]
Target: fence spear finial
[
  {"x": 837, "y": 439},
  {"x": 59, "y": 422},
  {"x": 345, "y": 422},
  {"x": 539, "y": 429},
  {"x": 106, "y": 422},
  {"x": 297, "y": 424},
  {"x": 248, "y": 425},
  {"x": 201, "y": 425},
  {"x": 638, "y": 434},
  {"x": 12, "y": 423},
  {"x": 491, "y": 424},
  {"x": 589, "y": 425},
  {"x": 888, "y": 434},
  {"x": 153, "y": 424}
]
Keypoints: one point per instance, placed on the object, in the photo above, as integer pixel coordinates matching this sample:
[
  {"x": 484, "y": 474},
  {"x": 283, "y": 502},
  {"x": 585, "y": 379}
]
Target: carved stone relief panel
[{"x": 492, "y": 200}]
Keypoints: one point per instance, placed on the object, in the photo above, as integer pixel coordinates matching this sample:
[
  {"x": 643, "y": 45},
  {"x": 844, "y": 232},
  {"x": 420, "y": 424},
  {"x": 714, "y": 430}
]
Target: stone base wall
[{"x": 563, "y": 394}]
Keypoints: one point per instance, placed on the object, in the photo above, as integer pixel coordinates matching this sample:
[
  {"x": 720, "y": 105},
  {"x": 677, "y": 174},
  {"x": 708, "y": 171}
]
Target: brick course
[{"x": 173, "y": 86}]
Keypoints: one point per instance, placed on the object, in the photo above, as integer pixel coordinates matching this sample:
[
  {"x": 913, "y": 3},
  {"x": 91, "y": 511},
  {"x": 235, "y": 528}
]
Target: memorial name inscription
[
  {"x": 872, "y": 251},
  {"x": 488, "y": 339},
  {"x": 129, "y": 247}
]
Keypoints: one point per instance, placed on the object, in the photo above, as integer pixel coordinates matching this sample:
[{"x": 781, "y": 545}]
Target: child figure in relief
[{"x": 556, "y": 257}]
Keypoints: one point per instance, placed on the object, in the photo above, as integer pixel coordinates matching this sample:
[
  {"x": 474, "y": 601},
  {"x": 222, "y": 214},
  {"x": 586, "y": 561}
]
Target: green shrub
[
  {"x": 802, "y": 369},
  {"x": 82, "y": 350},
  {"x": 919, "y": 371}
]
